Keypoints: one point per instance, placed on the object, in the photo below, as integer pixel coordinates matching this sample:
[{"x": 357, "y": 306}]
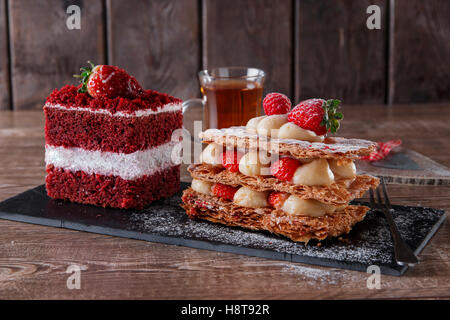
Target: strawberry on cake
[
  {"x": 109, "y": 142},
  {"x": 281, "y": 173}
]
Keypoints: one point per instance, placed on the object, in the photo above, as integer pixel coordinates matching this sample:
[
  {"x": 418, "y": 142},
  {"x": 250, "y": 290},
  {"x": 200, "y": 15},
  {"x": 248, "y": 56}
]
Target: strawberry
[
  {"x": 317, "y": 115},
  {"x": 276, "y": 103},
  {"x": 103, "y": 81},
  {"x": 276, "y": 199},
  {"x": 223, "y": 191},
  {"x": 284, "y": 168},
  {"x": 230, "y": 160}
]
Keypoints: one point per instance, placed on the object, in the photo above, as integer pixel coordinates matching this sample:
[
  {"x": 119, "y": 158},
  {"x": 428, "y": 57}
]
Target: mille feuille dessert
[
  {"x": 108, "y": 141},
  {"x": 281, "y": 173}
]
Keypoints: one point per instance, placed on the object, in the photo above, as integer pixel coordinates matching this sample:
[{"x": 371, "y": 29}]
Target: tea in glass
[{"x": 232, "y": 96}]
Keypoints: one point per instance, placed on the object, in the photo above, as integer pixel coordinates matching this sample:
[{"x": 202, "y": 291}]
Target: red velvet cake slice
[{"x": 111, "y": 152}]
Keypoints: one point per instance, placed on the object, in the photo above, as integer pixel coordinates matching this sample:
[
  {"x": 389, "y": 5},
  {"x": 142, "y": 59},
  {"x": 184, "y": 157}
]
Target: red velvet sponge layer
[
  {"x": 111, "y": 191},
  {"x": 96, "y": 131}
]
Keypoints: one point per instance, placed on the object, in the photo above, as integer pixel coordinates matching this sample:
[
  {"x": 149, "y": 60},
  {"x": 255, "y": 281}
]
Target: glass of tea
[{"x": 231, "y": 96}]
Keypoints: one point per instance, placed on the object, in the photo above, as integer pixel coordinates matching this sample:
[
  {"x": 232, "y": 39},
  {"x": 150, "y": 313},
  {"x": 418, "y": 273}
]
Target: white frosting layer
[
  {"x": 127, "y": 166},
  {"x": 170, "y": 107}
]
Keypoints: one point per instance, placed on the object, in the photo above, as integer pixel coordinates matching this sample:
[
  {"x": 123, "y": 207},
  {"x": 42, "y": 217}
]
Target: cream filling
[
  {"x": 170, "y": 107},
  {"x": 254, "y": 164},
  {"x": 315, "y": 173},
  {"x": 127, "y": 166},
  {"x": 277, "y": 126},
  {"x": 201, "y": 186},
  {"x": 252, "y": 124},
  {"x": 292, "y": 131},
  {"x": 212, "y": 154},
  {"x": 345, "y": 170},
  {"x": 294, "y": 205},
  {"x": 270, "y": 125},
  {"x": 312, "y": 172},
  {"x": 246, "y": 197}
]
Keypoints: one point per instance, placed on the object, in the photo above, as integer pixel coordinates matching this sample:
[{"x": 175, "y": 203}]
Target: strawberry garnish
[
  {"x": 223, "y": 191},
  {"x": 318, "y": 115},
  {"x": 103, "y": 81},
  {"x": 276, "y": 103},
  {"x": 230, "y": 160},
  {"x": 277, "y": 199},
  {"x": 284, "y": 168}
]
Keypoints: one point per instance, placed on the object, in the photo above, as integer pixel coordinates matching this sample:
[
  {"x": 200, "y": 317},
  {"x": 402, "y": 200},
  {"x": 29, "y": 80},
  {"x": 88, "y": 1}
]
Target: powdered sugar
[
  {"x": 369, "y": 242},
  {"x": 314, "y": 274},
  {"x": 338, "y": 145}
]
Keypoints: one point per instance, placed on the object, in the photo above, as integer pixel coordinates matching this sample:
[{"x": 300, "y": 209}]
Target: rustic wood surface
[
  {"x": 420, "y": 51},
  {"x": 44, "y": 52},
  {"x": 157, "y": 42},
  {"x": 342, "y": 57},
  {"x": 254, "y": 34},
  {"x": 34, "y": 259},
  {"x": 4, "y": 58}
]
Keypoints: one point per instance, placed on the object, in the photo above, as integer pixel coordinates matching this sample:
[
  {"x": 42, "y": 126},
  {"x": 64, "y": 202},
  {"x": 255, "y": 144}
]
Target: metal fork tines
[{"x": 403, "y": 253}]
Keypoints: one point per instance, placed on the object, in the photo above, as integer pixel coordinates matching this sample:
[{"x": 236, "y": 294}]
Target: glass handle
[
  {"x": 192, "y": 111},
  {"x": 194, "y": 103}
]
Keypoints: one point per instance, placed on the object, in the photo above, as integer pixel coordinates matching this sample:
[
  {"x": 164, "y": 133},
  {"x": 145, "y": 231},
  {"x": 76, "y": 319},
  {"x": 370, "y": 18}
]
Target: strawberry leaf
[
  {"x": 84, "y": 76},
  {"x": 331, "y": 116}
]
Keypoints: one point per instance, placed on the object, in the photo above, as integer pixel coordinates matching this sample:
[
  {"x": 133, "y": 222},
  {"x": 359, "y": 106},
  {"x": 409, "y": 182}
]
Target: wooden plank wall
[
  {"x": 420, "y": 57},
  {"x": 158, "y": 42},
  {"x": 308, "y": 48},
  {"x": 336, "y": 55},
  {"x": 4, "y": 58},
  {"x": 250, "y": 33},
  {"x": 44, "y": 52}
]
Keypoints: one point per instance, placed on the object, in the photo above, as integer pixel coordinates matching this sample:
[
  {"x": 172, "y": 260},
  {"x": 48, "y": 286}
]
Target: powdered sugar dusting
[
  {"x": 340, "y": 145},
  {"x": 369, "y": 242},
  {"x": 312, "y": 274},
  {"x": 321, "y": 277}
]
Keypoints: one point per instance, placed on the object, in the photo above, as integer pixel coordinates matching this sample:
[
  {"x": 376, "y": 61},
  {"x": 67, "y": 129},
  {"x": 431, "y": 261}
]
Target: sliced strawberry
[
  {"x": 277, "y": 199},
  {"x": 224, "y": 191},
  {"x": 230, "y": 160},
  {"x": 104, "y": 81},
  {"x": 317, "y": 115},
  {"x": 284, "y": 168}
]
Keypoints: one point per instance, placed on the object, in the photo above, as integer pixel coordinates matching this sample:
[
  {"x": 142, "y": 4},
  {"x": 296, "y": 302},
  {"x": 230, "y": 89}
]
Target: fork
[{"x": 402, "y": 252}]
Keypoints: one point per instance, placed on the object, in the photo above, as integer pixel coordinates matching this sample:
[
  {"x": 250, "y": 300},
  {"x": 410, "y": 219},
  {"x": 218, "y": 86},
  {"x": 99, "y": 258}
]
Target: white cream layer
[
  {"x": 127, "y": 166},
  {"x": 170, "y": 107}
]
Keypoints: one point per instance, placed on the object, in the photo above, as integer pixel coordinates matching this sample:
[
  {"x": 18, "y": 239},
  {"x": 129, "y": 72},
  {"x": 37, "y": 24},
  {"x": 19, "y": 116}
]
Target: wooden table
[{"x": 34, "y": 259}]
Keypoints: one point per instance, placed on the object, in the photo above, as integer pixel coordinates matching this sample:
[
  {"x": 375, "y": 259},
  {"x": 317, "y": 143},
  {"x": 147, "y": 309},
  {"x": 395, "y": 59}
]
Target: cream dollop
[
  {"x": 292, "y": 131},
  {"x": 270, "y": 125},
  {"x": 315, "y": 173},
  {"x": 202, "y": 186},
  {"x": 212, "y": 154},
  {"x": 252, "y": 124},
  {"x": 246, "y": 197},
  {"x": 306, "y": 207},
  {"x": 345, "y": 170}
]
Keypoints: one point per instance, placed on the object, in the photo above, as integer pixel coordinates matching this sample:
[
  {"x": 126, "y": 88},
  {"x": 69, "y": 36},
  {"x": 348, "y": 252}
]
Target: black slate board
[{"x": 369, "y": 243}]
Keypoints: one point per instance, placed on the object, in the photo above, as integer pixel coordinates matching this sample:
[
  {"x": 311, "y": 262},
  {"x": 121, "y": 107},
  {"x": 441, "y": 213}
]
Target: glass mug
[{"x": 231, "y": 96}]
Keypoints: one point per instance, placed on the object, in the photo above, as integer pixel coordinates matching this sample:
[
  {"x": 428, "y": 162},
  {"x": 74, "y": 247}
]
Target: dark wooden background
[{"x": 308, "y": 48}]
